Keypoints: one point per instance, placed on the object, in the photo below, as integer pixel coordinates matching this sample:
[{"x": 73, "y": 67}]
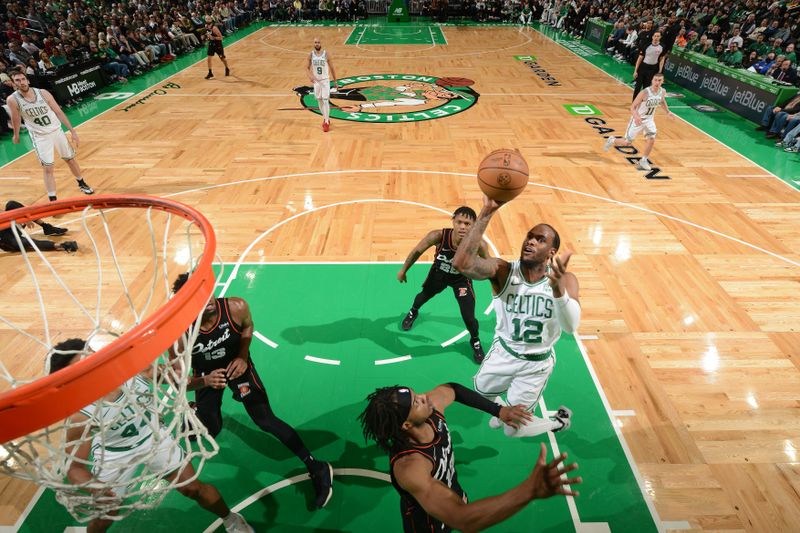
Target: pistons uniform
[
  {"x": 44, "y": 128},
  {"x": 216, "y": 348},
  {"x": 647, "y": 111},
  {"x": 440, "y": 454},
  {"x": 321, "y": 74},
  {"x": 214, "y": 44},
  {"x": 521, "y": 358}
]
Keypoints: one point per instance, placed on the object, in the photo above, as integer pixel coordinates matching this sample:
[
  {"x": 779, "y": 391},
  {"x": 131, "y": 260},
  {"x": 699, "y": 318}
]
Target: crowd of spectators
[{"x": 128, "y": 37}]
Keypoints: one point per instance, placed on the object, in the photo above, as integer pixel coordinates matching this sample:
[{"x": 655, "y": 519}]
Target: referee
[{"x": 651, "y": 61}]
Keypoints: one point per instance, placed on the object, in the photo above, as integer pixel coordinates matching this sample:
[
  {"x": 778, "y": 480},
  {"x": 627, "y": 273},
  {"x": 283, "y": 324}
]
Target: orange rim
[{"x": 57, "y": 396}]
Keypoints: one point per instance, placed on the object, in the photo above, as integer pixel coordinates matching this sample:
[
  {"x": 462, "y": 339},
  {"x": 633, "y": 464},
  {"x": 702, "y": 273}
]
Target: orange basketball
[{"x": 503, "y": 174}]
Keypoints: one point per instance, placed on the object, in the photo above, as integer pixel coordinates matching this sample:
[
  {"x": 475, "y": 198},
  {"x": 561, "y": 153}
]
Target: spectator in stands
[
  {"x": 764, "y": 64},
  {"x": 735, "y": 39},
  {"x": 776, "y": 118},
  {"x": 732, "y": 58},
  {"x": 116, "y": 69},
  {"x": 616, "y": 36},
  {"x": 790, "y": 54},
  {"x": 682, "y": 40},
  {"x": 670, "y": 35},
  {"x": 785, "y": 72},
  {"x": 45, "y": 64},
  {"x": 759, "y": 46},
  {"x": 772, "y": 30},
  {"x": 791, "y": 140},
  {"x": 749, "y": 25},
  {"x": 18, "y": 55}
]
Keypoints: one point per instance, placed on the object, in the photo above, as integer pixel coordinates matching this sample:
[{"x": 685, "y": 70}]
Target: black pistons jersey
[
  {"x": 442, "y": 268},
  {"x": 219, "y": 345},
  {"x": 440, "y": 453}
]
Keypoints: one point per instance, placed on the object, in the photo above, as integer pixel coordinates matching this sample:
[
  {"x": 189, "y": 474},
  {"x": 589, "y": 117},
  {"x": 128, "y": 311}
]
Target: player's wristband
[
  {"x": 568, "y": 312},
  {"x": 472, "y": 399}
]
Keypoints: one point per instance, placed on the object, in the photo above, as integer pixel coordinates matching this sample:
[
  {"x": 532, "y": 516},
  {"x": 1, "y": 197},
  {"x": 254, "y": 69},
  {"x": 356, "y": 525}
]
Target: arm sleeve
[
  {"x": 568, "y": 312},
  {"x": 472, "y": 399}
]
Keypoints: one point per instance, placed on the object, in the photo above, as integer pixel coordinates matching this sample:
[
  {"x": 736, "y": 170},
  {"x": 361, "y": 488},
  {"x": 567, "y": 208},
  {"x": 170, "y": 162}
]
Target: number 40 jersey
[
  {"x": 39, "y": 117},
  {"x": 526, "y": 319}
]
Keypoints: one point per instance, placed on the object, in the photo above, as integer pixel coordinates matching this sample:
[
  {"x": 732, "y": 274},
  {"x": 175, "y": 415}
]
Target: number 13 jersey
[
  {"x": 526, "y": 319},
  {"x": 218, "y": 345},
  {"x": 39, "y": 117}
]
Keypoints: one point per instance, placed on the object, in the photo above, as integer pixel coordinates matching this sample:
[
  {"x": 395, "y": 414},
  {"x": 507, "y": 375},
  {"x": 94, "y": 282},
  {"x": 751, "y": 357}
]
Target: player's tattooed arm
[
  {"x": 469, "y": 261},
  {"x": 240, "y": 312},
  {"x": 427, "y": 241}
]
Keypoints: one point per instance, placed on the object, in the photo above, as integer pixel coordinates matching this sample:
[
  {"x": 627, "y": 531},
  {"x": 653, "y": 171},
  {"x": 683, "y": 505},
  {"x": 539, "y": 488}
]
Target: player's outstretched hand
[
  {"x": 216, "y": 379},
  {"x": 236, "y": 368},
  {"x": 401, "y": 276},
  {"x": 558, "y": 267},
  {"x": 516, "y": 416},
  {"x": 491, "y": 204},
  {"x": 548, "y": 479}
]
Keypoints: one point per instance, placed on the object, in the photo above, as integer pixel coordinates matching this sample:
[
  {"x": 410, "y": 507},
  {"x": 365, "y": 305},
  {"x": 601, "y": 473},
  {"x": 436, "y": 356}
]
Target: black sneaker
[
  {"x": 49, "y": 229},
  {"x": 477, "y": 352},
  {"x": 227, "y": 71},
  {"x": 322, "y": 477},
  {"x": 209, "y": 75},
  {"x": 761, "y": 128},
  {"x": 52, "y": 198},
  {"x": 69, "y": 246},
  {"x": 563, "y": 415},
  {"x": 84, "y": 187},
  {"x": 408, "y": 321}
]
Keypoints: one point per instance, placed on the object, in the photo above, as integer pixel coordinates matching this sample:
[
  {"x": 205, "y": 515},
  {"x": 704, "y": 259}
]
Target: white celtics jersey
[
  {"x": 39, "y": 117},
  {"x": 120, "y": 425},
  {"x": 319, "y": 65},
  {"x": 650, "y": 103},
  {"x": 526, "y": 319}
]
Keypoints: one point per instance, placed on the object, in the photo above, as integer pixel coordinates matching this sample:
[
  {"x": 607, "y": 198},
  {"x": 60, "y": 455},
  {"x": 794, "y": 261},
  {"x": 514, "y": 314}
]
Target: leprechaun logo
[{"x": 394, "y": 98}]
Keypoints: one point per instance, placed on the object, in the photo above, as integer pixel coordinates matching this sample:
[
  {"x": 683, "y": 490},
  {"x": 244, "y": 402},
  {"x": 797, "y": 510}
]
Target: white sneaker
[
  {"x": 609, "y": 143},
  {"x": 563, "y": 415},
  {"x": 237, "y": 524},
  {"x": 495, "y": 423},
  {"x": 644, "y": 164}
]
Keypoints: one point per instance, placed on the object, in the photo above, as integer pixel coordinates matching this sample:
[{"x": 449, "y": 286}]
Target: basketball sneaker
[
  {"x": 609, "y": 143},
  {"x": 326, "y": 126},
  {"x": 495, "y": 422},
  {"x": 69, "y": 246},
  {"x": 227, "y": 71},
  {"x": 84, "y": 187},
  {"x": 563, "y": 415},
  {"x": 644, "y": 164},
  {"x": 477, "y": 351},
  {"x": 49, "y": 229},
  {"x": 408, "y": 321},
  {"x": 209, "y": 75},
  {"x": 235, "y": 523},
  {"x": 52, "y": 198},
  {"x": 322, "y": 476}
]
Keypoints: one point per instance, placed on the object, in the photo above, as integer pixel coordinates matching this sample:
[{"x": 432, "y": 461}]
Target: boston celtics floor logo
[{"x": 395, "y": 98}]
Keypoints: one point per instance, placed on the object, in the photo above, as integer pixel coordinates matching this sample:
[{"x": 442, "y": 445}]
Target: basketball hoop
[{"x": 141, "y": 326}]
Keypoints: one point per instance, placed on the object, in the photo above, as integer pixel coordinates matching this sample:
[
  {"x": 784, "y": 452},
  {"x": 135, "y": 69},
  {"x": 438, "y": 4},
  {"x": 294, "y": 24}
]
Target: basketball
[{"x": 503, "y": 175}]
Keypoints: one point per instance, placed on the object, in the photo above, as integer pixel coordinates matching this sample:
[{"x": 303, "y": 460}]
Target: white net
[{"x": 128, "y": 449}]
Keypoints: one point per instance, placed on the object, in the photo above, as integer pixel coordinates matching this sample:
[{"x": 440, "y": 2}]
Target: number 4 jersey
[
  {"x": 526, "y": 319},
  {"x": 39, "y": 117}
]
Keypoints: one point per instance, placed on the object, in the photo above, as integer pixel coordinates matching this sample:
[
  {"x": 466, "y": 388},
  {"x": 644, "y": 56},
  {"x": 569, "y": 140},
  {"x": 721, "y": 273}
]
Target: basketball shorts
[
  {"x": 118, "y": 468},
  {"x": 215, "y": 47},
  {"x": 522, "y": 381},
  {"x": 47, "y": 144},
  {"x": 633, "y": 131},
  {"x": 322, "y": 89}
]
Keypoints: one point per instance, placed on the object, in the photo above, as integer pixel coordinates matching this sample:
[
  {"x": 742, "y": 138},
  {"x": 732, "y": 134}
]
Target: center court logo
[{"x": 386, "y": 98}]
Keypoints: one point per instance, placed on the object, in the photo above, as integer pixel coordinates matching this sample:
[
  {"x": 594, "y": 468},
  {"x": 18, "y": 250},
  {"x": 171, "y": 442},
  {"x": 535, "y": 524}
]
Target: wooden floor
[{"x": 689, "y": 286}]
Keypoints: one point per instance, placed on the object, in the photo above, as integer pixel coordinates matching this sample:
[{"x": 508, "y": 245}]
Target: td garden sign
[{"x": 395, "y": 98}]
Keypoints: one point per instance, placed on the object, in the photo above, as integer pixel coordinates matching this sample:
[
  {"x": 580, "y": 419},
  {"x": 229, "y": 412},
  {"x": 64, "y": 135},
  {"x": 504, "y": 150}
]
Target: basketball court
[{"x": 683, "y": 378}]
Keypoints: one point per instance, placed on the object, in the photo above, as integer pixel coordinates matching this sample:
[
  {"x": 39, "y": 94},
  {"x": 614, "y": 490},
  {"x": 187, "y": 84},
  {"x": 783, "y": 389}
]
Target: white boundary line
[
  {"x": 24, "y": 516},
  {"x": 393, "y": 360},
  {"x": 454, "y": 339},
  {"x": 677, "y": 524},
  {"x": 265, "y": 340},
  {"x": 441, "y": 31},
  {"x": 360, "y": 472},
  {"x": 623, "y": 412},
  {"x": 334, "y": 362},
  {"x": 634, "y": 468},
  {"x": 580, "y": 527},
  {"x": 683, "y": 119}
]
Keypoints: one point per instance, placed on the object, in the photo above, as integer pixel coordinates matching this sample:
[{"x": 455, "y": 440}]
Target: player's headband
[{"x": 403, "y": 395}]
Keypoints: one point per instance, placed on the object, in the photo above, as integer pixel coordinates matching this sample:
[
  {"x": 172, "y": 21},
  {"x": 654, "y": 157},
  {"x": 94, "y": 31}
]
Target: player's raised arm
[
  {"x": 413, "y": 473},
  {"x": 240, "y": 312},
  {"x": 427, "y": 241},
  {"x": 444, "y": 395},
  {"x": 469, "y": 262}
]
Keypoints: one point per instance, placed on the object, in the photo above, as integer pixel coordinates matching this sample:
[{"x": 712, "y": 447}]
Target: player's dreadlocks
[{"x": 383, "y": 418}]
